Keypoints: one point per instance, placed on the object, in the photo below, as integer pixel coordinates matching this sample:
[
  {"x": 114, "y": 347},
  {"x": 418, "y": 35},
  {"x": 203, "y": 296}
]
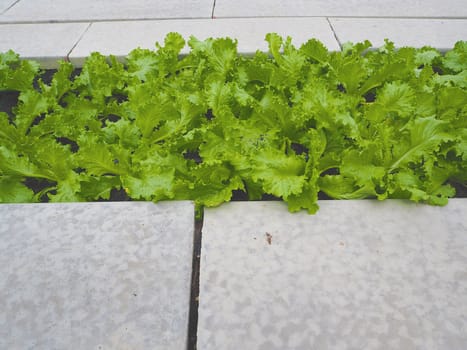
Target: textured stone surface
[
  {"x": 46, "y": 43},
  {"x": 84, "y": 10},
  {"x": 347, "y": 8},
  {"x": 357, "y": 275},
  {"x": 95, "y": 275},
  {"x": 441, "y": 34},
  {"x": 119, "y": 38}
]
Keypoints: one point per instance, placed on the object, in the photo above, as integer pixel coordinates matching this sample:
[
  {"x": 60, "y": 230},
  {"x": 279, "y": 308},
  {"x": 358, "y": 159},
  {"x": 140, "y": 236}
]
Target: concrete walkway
[{"x": 48, "y": 30}]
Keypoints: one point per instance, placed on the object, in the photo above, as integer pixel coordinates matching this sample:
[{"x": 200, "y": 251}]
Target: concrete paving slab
[
  {"x": 119, "y": 38},
  {"x": 357, "y": 275},
  {"x": 46, "y": 43},
  {"x": 347, "y": 8},
  {"x": 99, "y": 10},
  {"x": 441, "y": 34},
  {"x": 95, "y": 275}
]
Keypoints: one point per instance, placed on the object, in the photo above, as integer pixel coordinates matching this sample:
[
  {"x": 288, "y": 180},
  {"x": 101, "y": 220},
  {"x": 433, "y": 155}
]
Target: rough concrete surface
[
  {"x": 357, "y": 275},
  {"x": 95, "y": 275}
]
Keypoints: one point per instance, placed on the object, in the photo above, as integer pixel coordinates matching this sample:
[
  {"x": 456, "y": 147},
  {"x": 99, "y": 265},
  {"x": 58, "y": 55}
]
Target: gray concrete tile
[
  {"x": 86, "y": 10},
  {"x": 95, "y": 275},
  {"x": 344, "y": 8},
  {"x": 357, "y": 275},
  {"x": 46, "y": 43},
  {"x": 119, "y": 38},
  {"x": 441, "y": 34}
]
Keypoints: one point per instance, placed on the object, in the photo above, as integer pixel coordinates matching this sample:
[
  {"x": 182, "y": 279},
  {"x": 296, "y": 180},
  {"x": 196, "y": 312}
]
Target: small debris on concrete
[{"x": 268, "y": 238}]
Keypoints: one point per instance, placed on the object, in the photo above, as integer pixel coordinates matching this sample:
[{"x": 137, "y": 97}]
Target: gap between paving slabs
[{"x": 194, "y": 297}]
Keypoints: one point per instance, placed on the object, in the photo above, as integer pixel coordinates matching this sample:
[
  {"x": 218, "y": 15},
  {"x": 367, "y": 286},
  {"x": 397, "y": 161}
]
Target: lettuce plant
[{"x": 359, "y": 123}]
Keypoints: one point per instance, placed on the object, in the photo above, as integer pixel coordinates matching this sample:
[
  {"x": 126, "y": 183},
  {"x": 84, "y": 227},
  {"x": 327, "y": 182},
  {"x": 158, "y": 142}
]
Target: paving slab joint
[
  {"x": 77, "y": 41},
  {"x": 9, "y": 7},
  {"x": 213, "y": 9},
  {"x": 194, "y": 296},
  {"x": 334, "y": 33}
]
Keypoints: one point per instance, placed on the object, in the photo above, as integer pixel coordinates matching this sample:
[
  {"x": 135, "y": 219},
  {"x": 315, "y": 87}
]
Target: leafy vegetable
[{"x": 386, "y": 123}]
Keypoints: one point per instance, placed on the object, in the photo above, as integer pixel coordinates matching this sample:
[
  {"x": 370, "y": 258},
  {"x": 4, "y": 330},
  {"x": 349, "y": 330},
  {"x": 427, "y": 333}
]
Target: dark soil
[{"x": 8, "y": 100}]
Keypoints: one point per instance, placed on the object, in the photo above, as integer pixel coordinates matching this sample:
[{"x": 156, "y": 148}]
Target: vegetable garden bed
[{"x": 296, "y": 124}]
